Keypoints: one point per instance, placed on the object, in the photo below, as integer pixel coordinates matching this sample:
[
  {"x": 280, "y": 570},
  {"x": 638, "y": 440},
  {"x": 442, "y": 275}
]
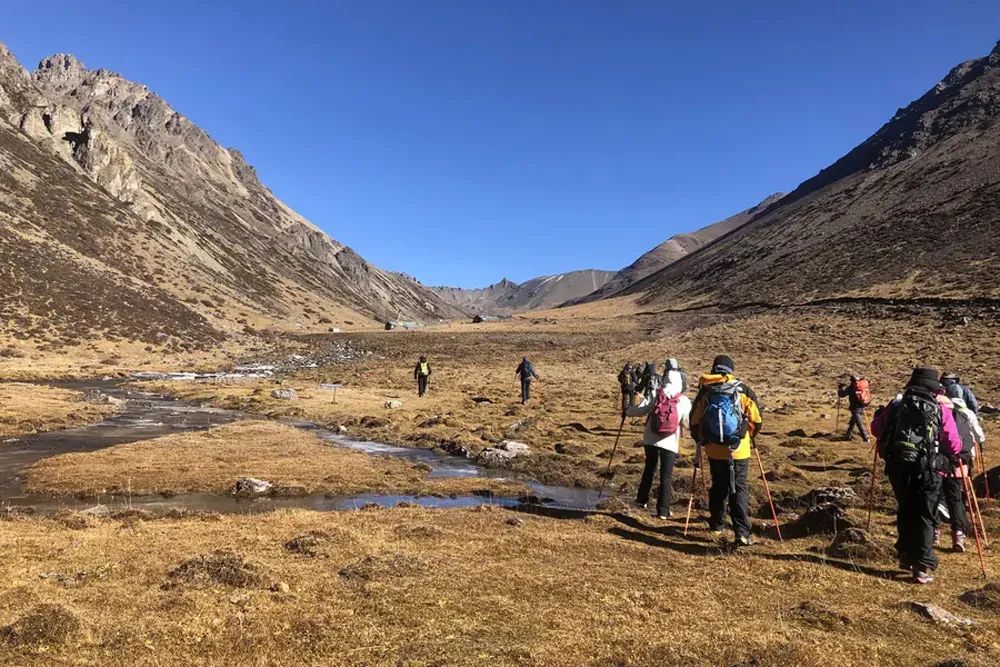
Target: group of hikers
[
  {"x": 525, "y": 372},
  {"x": 928, "y": 435}
]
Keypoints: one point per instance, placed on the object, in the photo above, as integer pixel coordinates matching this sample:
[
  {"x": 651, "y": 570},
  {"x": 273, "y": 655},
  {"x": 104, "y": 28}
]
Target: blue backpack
[{"x": 724, "y": 421}]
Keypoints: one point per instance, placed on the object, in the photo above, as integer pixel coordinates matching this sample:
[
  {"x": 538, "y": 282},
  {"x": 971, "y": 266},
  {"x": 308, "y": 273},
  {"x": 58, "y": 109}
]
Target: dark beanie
[
  {"x": 723, "y": 364},
  {"x": 953, "y": 390},
  {"x": 925, "y": 378}
]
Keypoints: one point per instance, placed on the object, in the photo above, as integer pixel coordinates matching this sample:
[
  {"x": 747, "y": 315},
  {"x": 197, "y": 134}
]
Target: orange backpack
[{"x": 863, "y": 391}]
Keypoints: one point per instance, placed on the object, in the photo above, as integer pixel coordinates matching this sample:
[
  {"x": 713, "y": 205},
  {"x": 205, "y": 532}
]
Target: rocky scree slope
[
  {"x": 507, "y": 297},
  {"x": 676, "y": 247},
  {"x": 121, "y": 218},
  {"x": 912, "y": 212}
]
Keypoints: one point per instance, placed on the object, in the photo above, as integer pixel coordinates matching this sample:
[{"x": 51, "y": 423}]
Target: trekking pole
[
  {"x": 871, "y": 486},
  {"x": 694, "y": 481},
  {"x": 767, "y": 491},
  {"x": 975, "y": 530},
  {"x": 611, "y": 458},
  {"x": 837, "y": 429}
]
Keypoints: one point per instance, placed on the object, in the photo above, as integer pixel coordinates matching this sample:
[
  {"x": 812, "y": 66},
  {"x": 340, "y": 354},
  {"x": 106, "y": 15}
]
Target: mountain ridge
[{"x": 506, "y": 296}]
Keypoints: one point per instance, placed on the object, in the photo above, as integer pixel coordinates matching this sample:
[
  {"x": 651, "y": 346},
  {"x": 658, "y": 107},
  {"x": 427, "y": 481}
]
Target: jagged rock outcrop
[{"x": 104, "y": 182}]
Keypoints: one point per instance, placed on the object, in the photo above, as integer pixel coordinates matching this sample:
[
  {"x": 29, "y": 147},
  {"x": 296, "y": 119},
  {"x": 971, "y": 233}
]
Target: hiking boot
[
  {"x": 664, "y": 515},
  {"x": 742, "y": 541},
  {"x": 641, "y": 505},
  {"x": 922, "y": 577},
  {"x": 937, "y": 537},
  {"x": 958, "y": 541}
]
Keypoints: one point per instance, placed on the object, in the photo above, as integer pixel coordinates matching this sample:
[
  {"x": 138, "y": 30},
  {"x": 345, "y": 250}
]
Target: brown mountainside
[
  {"x": 539, "y": 293},
  {"x": 120, "y": 217},
  {"x": 910, "y": 213}
]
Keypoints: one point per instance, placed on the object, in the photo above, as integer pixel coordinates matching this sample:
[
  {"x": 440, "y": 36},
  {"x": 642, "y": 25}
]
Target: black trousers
[
  {"x": 422, "y": 384},
  {"x": 628, "y": 398},
  {"x": 857, "y": 421},
  {"x": 666, "y": 459},
  {"x": 916, "y": 494},
  {"x": 953, "y": 495},
  {"x": 720, "y": 495},
  {"x": 525, "y": 391}
]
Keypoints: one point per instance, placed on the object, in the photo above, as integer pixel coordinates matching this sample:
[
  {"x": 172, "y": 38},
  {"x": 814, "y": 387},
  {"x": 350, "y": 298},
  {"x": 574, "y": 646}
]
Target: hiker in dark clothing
[
  {"x": 948, "y": 379},
  {"x": 918, "y": 439},
  {"x": 858, "y": 397},
  {"x": 627, "y": 381},
  {"x": 526, "y": 371},
  {"x": 422, "y": 374},
  {"x": 649, "y": 381},
  {"x": 953, "y": 494}
]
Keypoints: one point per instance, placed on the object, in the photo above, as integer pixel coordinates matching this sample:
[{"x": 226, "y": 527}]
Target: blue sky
[{"x": 462, "y": 141}]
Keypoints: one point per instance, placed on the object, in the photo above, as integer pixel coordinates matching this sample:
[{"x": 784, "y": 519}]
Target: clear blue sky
[{"x": 466, "y": 140}]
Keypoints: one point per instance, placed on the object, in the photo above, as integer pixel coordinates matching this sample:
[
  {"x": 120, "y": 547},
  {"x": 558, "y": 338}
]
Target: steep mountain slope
[
  {"x": 912, "y": 212},
  {"x": 122, "y": 218},
  {"x": 507, "y": 297},
  {"x": 675, "y": 248}
]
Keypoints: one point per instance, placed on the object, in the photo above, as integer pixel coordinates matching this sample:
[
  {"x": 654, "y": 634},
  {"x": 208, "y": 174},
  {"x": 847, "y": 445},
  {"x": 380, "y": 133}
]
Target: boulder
[
  {"x": 844, "y": 496},
  {"x": 503, "y": 453},
  {"x": 455, "y": 449},
  {"x": 248, "y": 487},
  {"x": 393, "y": 404},
  {"x": 940, "y": 615},
  {"x": 284, "y": 394}
]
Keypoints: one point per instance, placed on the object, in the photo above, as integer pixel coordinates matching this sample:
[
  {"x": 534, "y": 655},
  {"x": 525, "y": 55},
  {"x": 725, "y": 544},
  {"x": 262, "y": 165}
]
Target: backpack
[
  {"x": 968, "y": 435},
  {"x": 666, "y": 418},
  {"x": 863, "y": 392},
  {"x": 724, "y": 421},
  {"x": 914, "y": 435}
]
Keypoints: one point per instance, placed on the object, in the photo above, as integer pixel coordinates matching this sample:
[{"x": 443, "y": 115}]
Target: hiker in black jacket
[
  {"x": 422, "y": 374},
  {"x": 627, "y": 381},
  {"x": 526, "y": 371}
]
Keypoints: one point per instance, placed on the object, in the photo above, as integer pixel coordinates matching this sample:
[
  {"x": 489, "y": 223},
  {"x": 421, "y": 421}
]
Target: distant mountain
[
  {"x": 912, "y": 212},
  {"x": 507, "y": 297},
  {"x": 120, "y": 218},
  {"x": 675, "y": 248}
]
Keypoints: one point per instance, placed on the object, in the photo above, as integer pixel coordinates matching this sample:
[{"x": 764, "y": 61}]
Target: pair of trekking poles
[
  {"x": 699, "y": 465},
  {"x": 971, "y": 504}
]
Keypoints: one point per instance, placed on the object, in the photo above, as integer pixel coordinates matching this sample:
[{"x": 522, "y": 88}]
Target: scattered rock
[
  {"x": 844, "y": 496},
  {"x": 455, "y": 449},
  {"x": 249, "y": 487},
  {"x": 986, "y": 598},
  {"x": 577, "y": 426},
  {"x": 988, "y": 409},
  {"x": 481, "y": 400},
  {"x": 393, "y": 404},
  {"x": 797, "y": 433},
  {"x": 515, "y": 521},
  {"x": 284, "y": 394},
  {"x": 44, "y": 625},
  {"x": 502, "y": 454},
  {"x": 221, "y": 567},
  {"x": 940, "y": 615},
  {"x": 431, "y": 422},
  {"x": 97, "y": 397},
  {"x": 827, "y": 518},
  {"x": 97, "y": 511},
  {"x": 281, "y": 587}
]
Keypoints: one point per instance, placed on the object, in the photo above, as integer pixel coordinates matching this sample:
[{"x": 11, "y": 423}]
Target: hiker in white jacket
[{"x": 659, "y": 447}]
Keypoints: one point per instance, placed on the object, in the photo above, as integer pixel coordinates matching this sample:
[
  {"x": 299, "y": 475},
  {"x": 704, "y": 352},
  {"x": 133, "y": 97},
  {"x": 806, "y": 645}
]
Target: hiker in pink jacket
[{"x": 920, "y": 442}]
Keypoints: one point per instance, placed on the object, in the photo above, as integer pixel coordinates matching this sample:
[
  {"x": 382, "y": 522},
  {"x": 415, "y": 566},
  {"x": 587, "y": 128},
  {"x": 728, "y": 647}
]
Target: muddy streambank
[{"x": 146, "y": 415}]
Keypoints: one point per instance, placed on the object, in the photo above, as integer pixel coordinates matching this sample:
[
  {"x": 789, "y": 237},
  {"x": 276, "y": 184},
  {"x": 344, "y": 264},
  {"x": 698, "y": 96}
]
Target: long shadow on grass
[
  {"x": 845, "y": 565},
  {"x": 689, "y": 548}
]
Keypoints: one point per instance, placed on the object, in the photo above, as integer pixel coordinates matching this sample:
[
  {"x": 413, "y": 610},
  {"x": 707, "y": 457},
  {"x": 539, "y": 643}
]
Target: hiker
[
  {"x": 666, "y": 412},
  {"x": 919, "y": 440},
  {"x": 948, "y": 379},
  {"x": 953, "y": 494},
  {"x": 649, "y": 381},
  {"x": 526, "y": 370},
  {"x": 627, "y": 381},
  {"x": 725, "y": 418},
  {"x": 671, "y": 366},
  {"x": 859, "y": 397},
  {"x": 422, "y": 374}
]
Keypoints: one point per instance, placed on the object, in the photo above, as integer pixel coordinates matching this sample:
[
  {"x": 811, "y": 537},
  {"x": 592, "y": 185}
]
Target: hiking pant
[
  {"x": 628, "y": 398},
  {"x": 953, "y": 495},
  {"x": 916, "y": 494},
  {"x": 525, "y": 391},
  {"x": 719, "y": 496},
  {"x": 422, "y": 384},
  {"x": 857, "y": 420},
  {"x": 666, "y": 459}
]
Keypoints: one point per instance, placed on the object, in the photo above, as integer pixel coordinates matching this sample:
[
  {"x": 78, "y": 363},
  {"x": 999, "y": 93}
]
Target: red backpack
[
  {"x": 863, "y": 391},
  {"x": 666, "y": 417}
]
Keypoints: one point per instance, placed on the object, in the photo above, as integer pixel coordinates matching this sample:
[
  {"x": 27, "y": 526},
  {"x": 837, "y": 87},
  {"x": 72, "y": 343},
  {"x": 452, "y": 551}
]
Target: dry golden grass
[
  {"x": 455, "y": 587},
  {"x": 211, "y": 461},
  {"x": 29, "y": 408}
]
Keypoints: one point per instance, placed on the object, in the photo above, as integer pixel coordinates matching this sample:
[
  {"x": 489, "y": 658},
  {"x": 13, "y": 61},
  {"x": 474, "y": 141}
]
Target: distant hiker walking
[
  {"x": 422, "y": 374},
  {"x": 969, "y": 398},
  {"x": 859, "y": 397},
  {"x": 724, "y": 420},
  {"x": 667, "y": 413},
  {"x": 918, "y": 439},
  {"x": 526, "y": 371},
  {"x": 627, "y": 382}
]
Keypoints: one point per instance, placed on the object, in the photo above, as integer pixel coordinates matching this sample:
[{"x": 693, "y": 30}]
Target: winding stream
[{"x": 146, "y": 416}]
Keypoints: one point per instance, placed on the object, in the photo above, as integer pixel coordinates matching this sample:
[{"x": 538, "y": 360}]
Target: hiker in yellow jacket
[
  {"x": 725, "y": 418},
  {"x": 422, "y": 374}
]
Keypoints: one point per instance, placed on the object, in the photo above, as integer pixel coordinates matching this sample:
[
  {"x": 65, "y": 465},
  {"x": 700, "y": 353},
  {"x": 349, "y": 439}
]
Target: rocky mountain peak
[{"x": 61, "y": 67}]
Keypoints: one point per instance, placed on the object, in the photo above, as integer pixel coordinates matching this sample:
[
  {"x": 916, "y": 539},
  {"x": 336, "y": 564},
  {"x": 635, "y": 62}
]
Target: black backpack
[
  {"x": 916, "y": 426},
  {"x": 968, "y": 436}
]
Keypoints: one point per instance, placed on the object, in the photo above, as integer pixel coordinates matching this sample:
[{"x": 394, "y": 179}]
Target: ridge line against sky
[{"x": 461, "y": 141}]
